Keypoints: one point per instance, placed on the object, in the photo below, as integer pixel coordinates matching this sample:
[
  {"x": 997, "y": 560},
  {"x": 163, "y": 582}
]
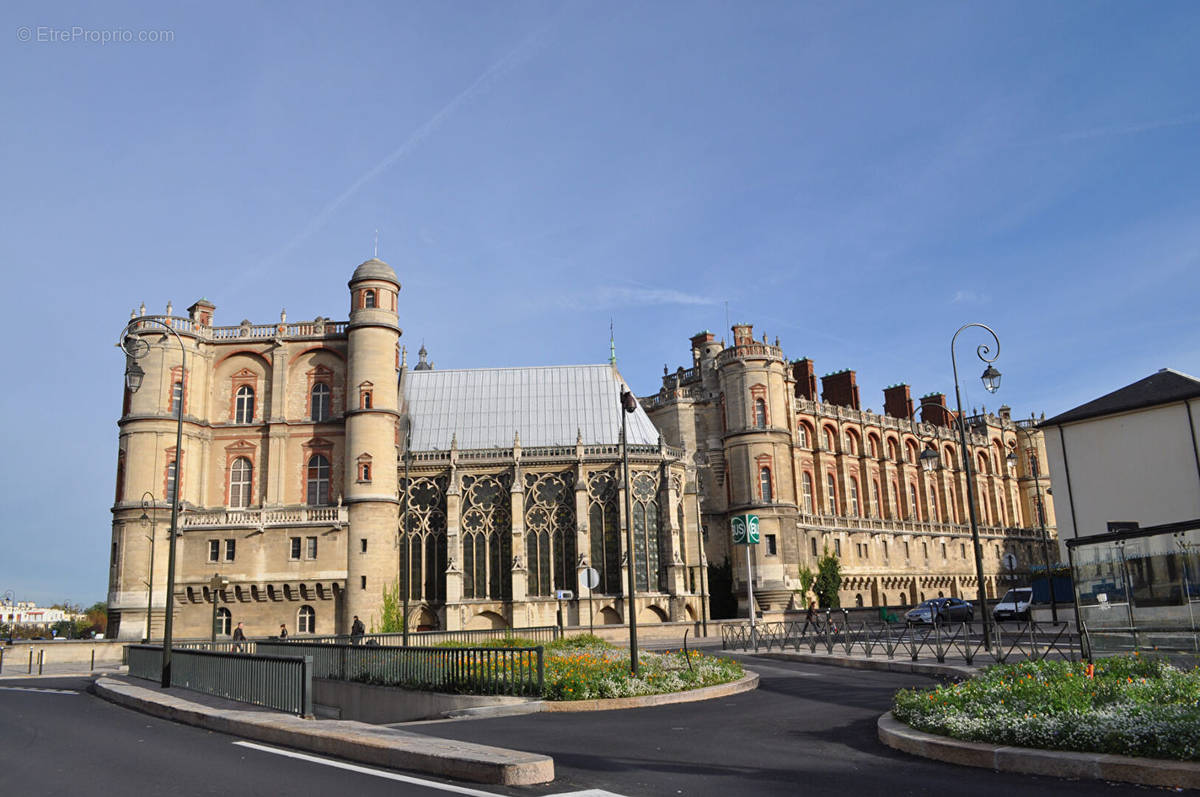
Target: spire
[
  {"x": 403, "y": 356},
  {"x": 424, "y": 364},
  {"x": 612, "y": 345}
]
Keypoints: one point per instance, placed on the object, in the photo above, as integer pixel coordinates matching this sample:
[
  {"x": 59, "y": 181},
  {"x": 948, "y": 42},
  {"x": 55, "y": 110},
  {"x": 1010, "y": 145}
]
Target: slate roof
[
  {"x": 374, "y": 269},
  {"x": 548, "y": 406},
  {"x": 1167, "y": 386}
]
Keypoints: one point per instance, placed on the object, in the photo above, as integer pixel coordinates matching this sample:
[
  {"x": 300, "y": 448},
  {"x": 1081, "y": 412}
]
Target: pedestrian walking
[
  {"x": 357, "y": 629},
  {"x": 283, "y": 631},
  {"x": 810, "y": 616},
  {"x": 239, "y": 637}
]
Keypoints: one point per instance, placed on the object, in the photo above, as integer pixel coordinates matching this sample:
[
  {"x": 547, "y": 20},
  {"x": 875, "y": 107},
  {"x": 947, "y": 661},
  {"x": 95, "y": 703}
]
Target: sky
[{"x": 856, "y": 179}]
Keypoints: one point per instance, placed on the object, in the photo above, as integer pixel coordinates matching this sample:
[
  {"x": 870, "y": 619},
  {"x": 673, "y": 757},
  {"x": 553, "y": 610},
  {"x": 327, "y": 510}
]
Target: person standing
[
  {"x": 283, "y": 630},
  {"x": 357, "y": 629}
]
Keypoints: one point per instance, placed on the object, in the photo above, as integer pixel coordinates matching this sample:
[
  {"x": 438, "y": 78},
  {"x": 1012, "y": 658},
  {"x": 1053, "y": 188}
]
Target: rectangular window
[
  {"x": 362, "y": 584},
  {"x": 772, "y": 550},
  {"x": 814, "y": 546},
  {"x": 885, "y": 549},
  {"x": 214, "y": 550},
  {"x": 837, "y": 548},
  {"x": 114, "y": 554},
  {"x": 962, "y": 550},
  {"x": 362, "y": 545},
  {"x": 295, "y": 548},
  {"x": 906, "y": 554},
  {"x": 943, "y": 550},
  {"x": 230, "y": 549},
  {"x": 311, "y": 548}
]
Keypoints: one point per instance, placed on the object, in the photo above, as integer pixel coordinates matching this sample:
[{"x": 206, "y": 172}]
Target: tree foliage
[
  {"x": 807, "y": 577},
  {"x": 392, "y": 621},
  {"x": 828, "y": 580}
]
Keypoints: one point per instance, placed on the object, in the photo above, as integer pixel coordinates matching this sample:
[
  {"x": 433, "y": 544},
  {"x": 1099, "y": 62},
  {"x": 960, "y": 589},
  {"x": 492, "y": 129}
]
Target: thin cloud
[
  {"x": 522, "y": 52},
  {"x": 1127, "y": 130},
  {"x": 622, "y": 296},
  {"x": 967, "y": 297}
]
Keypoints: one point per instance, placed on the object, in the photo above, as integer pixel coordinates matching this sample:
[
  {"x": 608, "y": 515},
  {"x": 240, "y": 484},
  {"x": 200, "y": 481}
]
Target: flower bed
[
  {"x": 1128, "y": 705},
  {"x": 588, "y": 668}
]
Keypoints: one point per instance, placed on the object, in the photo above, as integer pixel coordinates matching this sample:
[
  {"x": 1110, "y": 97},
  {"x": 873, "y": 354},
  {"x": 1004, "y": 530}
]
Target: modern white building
[
  {"x": 1128, "y": 457},
  {"x": 28, "y": 613}
]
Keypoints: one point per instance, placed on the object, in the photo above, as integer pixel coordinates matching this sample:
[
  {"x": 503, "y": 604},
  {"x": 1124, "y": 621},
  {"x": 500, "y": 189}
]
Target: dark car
[{"x": 941, "y": 610}]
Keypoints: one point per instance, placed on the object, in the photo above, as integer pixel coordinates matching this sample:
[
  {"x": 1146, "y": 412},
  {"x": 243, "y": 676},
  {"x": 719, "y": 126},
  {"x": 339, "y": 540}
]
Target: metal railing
[
  {"x": 282, "y": 682},
  {"x": 223, "y": 646},
  {"x": 480, "y": 671},
  {"x": 1172, "y": 641},
  {"x": 964, "y": 640},
  {"x": 544, "y": 634}
]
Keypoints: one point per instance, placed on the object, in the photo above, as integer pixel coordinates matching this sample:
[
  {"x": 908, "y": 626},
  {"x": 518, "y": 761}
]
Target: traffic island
[
  {"x": 352, "y": 741},
  {"x": 1029, "y": 761}
]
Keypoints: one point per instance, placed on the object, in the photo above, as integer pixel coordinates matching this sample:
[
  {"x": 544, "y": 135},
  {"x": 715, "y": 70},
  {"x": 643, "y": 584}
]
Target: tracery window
[
  {"x": 604, "y": 530},
  {"x": 241, "y": 475},
  {"x": 426, "y": 532},
  {"x": 487, "y": 537},
  {"x": 550, "y": 531},
  {"x": 244, "y": 405},
  {"x": 224, "y": 620},
  {"x": 646, "y": 542},
  {"x": 306, "y": 620}
]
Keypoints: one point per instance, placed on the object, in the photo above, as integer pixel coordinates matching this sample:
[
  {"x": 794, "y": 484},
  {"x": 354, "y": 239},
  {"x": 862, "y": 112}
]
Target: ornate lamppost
[
  {"x": 1035, "y": 469},
  {"x": 991, "y": 382},
  {"x": 628, "y": 405},
  {"x": 404, "y": 535},
  {"x": 151, "y": 520},
  {"x": 135, "y": 348}
]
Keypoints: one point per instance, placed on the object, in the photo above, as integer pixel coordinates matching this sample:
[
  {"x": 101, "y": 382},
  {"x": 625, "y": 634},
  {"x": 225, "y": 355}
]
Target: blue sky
[{"x": 856, "y": 179}]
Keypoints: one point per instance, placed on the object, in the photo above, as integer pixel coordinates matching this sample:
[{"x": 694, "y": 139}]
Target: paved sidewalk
[{"x": 21, "y": 669}]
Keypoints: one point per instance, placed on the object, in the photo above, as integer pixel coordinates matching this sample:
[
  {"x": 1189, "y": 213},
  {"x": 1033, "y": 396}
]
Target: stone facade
[
  {"x": 822, "y": 473},
  {"x": 293, "y": 489}
]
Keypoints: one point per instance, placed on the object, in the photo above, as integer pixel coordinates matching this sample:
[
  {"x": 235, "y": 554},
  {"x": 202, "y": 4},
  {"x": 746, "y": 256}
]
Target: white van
[{"x": 1014, "y": 604}]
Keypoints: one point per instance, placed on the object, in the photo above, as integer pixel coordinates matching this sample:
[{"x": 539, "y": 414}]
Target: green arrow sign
[{"x": 745, "y": 529}]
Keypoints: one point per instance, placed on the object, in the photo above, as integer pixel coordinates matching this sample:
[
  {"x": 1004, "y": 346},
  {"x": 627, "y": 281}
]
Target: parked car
[
  {"x": 941, "y": 610},
  {"x": 1014, "y": 605}
]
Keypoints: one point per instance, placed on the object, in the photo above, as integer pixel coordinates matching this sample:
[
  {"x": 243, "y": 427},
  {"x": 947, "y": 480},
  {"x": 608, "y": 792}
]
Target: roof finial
[
  {"x": 612, "y": 345},
  {"x": 403, "y": 356},
  {"x": 376, "y": 242}
]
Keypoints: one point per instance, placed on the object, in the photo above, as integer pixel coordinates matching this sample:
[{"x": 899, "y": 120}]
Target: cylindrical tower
[
  {"x": 373, "y": 410},
  {"x": 757, "y": 435}
]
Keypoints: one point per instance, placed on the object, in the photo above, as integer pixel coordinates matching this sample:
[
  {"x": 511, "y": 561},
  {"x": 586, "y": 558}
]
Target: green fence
[
  {"x": 282, "y": 682},
  {"x": 479, "y": 671}
]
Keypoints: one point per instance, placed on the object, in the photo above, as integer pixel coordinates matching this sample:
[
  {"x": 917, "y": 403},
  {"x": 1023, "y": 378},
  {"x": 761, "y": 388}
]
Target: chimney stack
[
  {"x": 897, "y": 401},
  {"x": 839, "y": 388},
  {"x": 805, "y": 374}
]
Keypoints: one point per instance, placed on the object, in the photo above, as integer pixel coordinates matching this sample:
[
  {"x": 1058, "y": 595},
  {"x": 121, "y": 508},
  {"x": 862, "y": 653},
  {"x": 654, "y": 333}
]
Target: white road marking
[
  {"x": 381, "y": 773},
  {"x": 35, "y": 689}
]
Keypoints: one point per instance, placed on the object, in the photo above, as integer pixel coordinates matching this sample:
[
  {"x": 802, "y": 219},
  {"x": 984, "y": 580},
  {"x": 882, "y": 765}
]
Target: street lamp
[
  {"x": 135, "y": 348},
  {"x": 628, "y": 405},
  {"x": 404, "y": 537},
  {"x": 12, "y": 617},
  {"x": 1041, "y": 511},
  {"x": 991, "y": 381},
  {"x": 152, "y": 522}
]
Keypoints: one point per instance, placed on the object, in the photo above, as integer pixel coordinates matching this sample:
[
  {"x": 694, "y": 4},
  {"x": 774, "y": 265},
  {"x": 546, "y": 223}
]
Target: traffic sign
[
  {"x": 745, "y": 529},
  {"x": 564, "y": 595},
  {"x": 591, "y": 578}
]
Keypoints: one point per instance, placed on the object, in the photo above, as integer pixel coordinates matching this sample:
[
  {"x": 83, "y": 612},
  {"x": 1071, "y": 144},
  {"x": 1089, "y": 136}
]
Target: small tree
[
  {"x": 828, "y": 580},
  {"x": 392, "y": 621},
  {"x": 807, "y": 577}
]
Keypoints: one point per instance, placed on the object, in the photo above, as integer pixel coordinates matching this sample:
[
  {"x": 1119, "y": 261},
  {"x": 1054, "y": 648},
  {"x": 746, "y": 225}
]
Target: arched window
[
  {"x": 931, "y": 491},
  {"x": 760, "y": 413},
  {"x": 306, "y": 620},
  {"x": 802, "y": 435},
  {"x": 874, "y": 444},
  {"x": 875, "y": 511},
  {"x": 910, "y": 452},
  {"x": 828, "y": 438},
  {"x": 831, "y": 493},
  {"x": 243, "y": 405},
  {"x": 953, "y": 506},
  {"x": 224, "y": 620},
  {"x": 851, "y": 443},
  {"x": 241, "y": 474},
  {"x": 858, "y": 600},
  {"x": 1034, "y": 471},
  {"x": 893, "y": 450},
  {"x": 806, "y": 485},
  {"x": 764, "y": 483},
  {"x": 914, "y": 507},
  {"x": 368, "y": 298},
  {"x": 320, "y": 402},
  {"x": 317, "y": 493},
  {"x": 854, "y": 507}
]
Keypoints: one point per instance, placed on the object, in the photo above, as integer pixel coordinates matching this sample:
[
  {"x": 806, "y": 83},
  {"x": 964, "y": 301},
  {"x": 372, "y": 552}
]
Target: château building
[
  {"x": 318, "y": 471},
  {"x": 822, "y": 473}
]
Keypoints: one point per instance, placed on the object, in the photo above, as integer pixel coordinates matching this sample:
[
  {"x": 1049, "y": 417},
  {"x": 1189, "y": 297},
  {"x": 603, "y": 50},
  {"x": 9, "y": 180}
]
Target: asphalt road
[{"x": 807, "y": 730}]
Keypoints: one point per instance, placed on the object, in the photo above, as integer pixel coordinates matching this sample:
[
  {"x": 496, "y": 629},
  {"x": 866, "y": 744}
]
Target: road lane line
[{"x": 36, "y": 689}]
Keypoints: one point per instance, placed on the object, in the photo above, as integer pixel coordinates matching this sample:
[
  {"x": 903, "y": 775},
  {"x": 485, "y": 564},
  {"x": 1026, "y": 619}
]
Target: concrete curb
[
  {"x": 353, "y": 741},
  {"x": 744, "y": 684},
  {"x": 1057, "y": 763},
  {"x": 886, "y": 665}
]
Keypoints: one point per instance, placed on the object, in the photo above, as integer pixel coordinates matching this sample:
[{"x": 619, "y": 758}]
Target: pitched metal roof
[
  {"x": 1167, "y": 386},
  {"x": 547, "y": 406}
]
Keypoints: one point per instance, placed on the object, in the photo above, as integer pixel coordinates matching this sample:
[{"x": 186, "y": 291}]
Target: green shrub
[{"x": 1129, "y": 705}]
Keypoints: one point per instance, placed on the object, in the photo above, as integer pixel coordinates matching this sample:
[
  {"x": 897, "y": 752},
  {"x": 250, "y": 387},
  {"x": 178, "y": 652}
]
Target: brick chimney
[
  {"x": 805, "y": 374},
  {"x": 201, "y": 312},
  {"x": 839, "y": 388},
  {"x": 897, "y": 401},
  {"x": 933, "y": 410},
  {"x": 698, "y": 342},
  {"x": 743, "y": 334}
]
